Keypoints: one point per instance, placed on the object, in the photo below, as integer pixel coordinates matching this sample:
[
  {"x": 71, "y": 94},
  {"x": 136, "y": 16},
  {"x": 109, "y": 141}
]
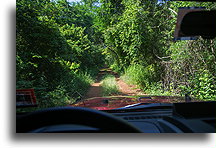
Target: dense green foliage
[
  {"x": 139, "y": 44},
  {"x": 56, "y": 51},
  {"x": 192, "y": 68},
  {"x": 61, "y": 46}
]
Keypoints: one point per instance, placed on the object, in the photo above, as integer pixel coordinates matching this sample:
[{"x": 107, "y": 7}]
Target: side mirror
[
  {"x": 25, "y": 98},
  {"x": 192, "y": 23}
]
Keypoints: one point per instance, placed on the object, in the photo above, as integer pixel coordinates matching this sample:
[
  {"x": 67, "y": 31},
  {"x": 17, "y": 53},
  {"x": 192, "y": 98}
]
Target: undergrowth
[
  {"x": 71, "y": 86},
  {"x": 201, "y": 86},
  {"x": 109, "y": 85},
  {"x": 145, "y": 78}
]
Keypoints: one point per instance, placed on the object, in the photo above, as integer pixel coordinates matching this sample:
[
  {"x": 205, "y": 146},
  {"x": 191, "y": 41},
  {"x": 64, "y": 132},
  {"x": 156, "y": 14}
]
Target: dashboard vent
[{"x": 142, "y": 117}]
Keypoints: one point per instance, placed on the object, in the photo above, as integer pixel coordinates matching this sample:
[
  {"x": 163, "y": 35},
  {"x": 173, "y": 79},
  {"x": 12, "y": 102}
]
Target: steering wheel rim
[{"x": 107, "y": 123}]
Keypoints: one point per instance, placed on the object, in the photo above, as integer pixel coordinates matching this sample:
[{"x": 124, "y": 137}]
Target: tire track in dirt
[{"x": 124, "y": 89}]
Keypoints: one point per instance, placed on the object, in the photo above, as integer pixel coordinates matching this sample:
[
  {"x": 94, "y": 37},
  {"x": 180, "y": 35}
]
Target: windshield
[{"x": 107, "y": 54}]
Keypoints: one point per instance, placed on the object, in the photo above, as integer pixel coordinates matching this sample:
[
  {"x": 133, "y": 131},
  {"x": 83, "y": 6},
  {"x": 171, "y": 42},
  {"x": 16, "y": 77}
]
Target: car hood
[{"x": 113, "y": 102}]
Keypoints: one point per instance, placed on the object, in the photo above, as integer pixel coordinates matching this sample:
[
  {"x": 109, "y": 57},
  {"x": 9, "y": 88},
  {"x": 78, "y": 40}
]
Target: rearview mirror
[{"x": 194, "y": 22}]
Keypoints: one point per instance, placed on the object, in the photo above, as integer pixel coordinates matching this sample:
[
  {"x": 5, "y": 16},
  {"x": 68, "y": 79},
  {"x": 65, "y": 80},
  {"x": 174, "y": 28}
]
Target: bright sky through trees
[{"x": 73, "y": 0}]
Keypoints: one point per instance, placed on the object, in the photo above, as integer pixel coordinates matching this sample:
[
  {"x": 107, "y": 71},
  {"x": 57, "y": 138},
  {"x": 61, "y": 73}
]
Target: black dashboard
[{"x": 190, "y": 117}]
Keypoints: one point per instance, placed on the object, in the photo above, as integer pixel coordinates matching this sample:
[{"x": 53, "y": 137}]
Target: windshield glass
[{"x": 107, "y": 54}]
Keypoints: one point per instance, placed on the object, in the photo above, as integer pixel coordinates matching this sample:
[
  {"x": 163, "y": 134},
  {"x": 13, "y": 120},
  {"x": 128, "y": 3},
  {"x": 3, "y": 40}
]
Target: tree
[{"x": 54, "y": 49}]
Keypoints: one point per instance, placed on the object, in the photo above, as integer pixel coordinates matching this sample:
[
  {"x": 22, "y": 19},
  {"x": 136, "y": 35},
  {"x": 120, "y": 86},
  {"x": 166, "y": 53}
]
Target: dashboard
[
  {"x": 163, "y": 121},
  {"x": 190, "y": 117}
]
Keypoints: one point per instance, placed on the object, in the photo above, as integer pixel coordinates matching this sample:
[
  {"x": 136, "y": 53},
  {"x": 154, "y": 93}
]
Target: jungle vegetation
[{"x": 61, "y": 45}]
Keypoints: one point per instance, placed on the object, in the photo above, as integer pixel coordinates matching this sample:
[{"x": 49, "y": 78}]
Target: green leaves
[
  {"x": 60, "y": 45},
  {"x": 193, "y": 68},
  {"x": 137, "y": 33},
  {"x": 55, "y": 46},
  {"x": 141, "y": 34},
  {"x": 204, "y": 85}
]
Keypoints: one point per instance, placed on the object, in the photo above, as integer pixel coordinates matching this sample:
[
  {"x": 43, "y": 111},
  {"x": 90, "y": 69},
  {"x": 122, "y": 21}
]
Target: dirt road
[{"x": 124, "y": 89}]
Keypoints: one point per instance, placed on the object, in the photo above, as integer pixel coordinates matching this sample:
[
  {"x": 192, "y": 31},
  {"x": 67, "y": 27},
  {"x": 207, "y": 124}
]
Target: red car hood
[{"x": 108, "y": 103}]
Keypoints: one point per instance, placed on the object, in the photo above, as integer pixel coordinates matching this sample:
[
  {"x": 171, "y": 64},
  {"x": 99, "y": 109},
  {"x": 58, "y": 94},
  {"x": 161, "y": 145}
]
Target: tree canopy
[{"x": 61, "y": 46}]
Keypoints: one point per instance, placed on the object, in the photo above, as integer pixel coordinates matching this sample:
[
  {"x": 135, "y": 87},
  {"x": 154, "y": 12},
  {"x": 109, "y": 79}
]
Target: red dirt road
[
  {"x": 94, "y": 91},
  {"x": 128, "y": 94},
  {"x": 129, "y": 90},
  {"x": 124, "y": 89}
]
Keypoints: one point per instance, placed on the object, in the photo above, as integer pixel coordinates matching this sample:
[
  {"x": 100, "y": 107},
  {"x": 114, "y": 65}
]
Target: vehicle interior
[
  {"x": 142, "y": 117},
  {"x": 151, "y": 118}
]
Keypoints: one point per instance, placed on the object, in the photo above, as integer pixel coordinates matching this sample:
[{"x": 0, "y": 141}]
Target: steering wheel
[{"x": 106, "y": 123}]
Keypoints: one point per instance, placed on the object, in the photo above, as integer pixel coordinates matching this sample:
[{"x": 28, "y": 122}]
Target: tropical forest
[{"x": 64, "y": 48}]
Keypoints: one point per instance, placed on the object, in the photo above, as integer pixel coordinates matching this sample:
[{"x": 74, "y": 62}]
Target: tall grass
[
  {"x": 146, "y": 78},
  {"x": 109, "y": 85},
  {"x": 139, "y": 75}
]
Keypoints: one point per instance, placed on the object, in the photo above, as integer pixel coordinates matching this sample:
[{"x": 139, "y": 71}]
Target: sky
[
  {"x": 159, "y": 1},
  {"x": 73, "y": 0}
]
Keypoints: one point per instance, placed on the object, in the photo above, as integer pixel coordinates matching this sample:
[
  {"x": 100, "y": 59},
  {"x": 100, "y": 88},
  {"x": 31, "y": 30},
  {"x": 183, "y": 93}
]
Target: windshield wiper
[{"x": 141, "y": 106}]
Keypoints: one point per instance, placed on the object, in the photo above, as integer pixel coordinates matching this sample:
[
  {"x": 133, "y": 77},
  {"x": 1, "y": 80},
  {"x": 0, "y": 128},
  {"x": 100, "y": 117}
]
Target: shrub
[
  {"x": 109, "y": 85},
  {"x": 203, "y": 86},
  {"x": 140, "y": 75}
]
